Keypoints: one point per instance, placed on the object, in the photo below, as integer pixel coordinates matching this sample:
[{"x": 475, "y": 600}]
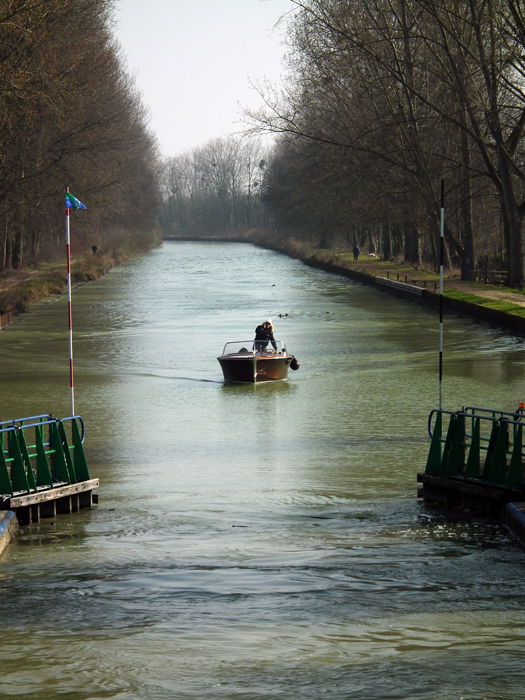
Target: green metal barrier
[
  {"x": 481, "y": 445},
  {"x": 50, "y": 461}
]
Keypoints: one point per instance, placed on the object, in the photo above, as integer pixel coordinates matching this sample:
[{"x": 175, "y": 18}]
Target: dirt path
[{"x": 423, "y": 277}]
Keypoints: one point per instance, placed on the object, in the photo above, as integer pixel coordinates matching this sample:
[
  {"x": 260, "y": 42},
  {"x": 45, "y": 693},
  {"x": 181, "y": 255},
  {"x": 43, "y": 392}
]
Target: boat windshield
[{"x": 248, "y": 347}]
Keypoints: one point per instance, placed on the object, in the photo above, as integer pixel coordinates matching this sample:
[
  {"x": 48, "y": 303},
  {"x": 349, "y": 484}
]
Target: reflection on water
[{"x": 256, "y": 541}]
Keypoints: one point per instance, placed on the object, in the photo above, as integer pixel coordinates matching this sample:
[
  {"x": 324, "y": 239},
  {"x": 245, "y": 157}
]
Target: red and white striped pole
[
  {"x": 441, "y": 256},
  {"x": 68, "y": 246}
]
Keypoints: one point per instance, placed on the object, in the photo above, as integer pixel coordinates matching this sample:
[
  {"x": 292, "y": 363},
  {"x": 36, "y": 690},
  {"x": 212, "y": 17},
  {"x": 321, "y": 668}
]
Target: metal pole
[
  {"x": 441, "y": 249},
  {"x": 72, "y": 394}
]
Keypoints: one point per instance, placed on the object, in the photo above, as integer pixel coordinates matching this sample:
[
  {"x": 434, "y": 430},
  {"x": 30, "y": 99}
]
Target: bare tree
[
  {"x": 215, "y": 189},
  {"x": 365, "y": 80},
  {"x": 69, "y": 114}
]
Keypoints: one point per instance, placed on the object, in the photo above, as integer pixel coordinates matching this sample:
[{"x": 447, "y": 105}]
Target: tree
[
  {"x": 214, "y": 189},
  {"x": 481, "y": 49},
  {"x": 371, "y": 81},
  {"x": 69, "y": 114}
]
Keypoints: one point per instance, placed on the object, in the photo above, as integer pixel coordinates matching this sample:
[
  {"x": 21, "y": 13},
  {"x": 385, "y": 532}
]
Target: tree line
[
  {"x": 215, "y": 190},
  {"x": 69, "y": 115},
  {"x": 383, "y": 100}
]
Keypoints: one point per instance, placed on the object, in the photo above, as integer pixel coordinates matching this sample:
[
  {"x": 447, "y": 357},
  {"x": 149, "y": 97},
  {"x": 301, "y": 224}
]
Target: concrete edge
[
  {"x": 477, "y": 312},
  {"x": 402, "y": 286},
  {"x": 8, "y": 527},
  {"x": 515, "y": 520}
]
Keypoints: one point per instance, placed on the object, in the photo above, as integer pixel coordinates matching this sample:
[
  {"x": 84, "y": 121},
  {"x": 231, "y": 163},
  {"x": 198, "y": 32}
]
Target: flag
[{"x": 73, "y": 202}]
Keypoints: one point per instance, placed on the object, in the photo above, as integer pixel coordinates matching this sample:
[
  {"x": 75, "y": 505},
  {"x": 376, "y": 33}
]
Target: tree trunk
[
  {"x": 513, "y": 240},
  {"x": 17, "y": 248},
  {"x": 466, "y": 234},
  {"x": 434, "y": 251},
  {"x": 513, "y": 230},
  {"x": 35, "y": 244},
  {"x": 4, "y": 255},
  {"x": 412, "y": 250},
  {"x": 371, "y": 241},
  {"x": 515, "y": 258},
  {"x": 397, "y": 239},
  {"x": 387, "y": 242}
]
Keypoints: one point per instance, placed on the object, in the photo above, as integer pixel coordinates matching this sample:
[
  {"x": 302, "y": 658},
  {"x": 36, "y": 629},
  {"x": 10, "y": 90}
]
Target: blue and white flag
[{"x": 73, "y": 202}]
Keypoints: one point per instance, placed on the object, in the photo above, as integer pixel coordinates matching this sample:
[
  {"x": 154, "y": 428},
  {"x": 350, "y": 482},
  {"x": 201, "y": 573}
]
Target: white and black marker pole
[{"x": 441, "y": 251}]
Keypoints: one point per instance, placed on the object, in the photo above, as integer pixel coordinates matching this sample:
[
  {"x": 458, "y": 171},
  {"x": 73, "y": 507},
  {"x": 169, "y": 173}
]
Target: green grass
[
  {"x": 377, "y": 266},
  {"x": 504, "y": 306}
]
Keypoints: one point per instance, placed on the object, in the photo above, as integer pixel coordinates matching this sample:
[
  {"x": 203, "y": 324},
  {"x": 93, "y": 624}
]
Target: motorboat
[{"x": 249, "y": 362}]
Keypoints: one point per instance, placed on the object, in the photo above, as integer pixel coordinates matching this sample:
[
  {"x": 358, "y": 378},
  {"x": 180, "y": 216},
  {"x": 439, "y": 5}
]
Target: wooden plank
[
  {"x": 457, "y": 484},
  {"x": 51, "y": 494}
]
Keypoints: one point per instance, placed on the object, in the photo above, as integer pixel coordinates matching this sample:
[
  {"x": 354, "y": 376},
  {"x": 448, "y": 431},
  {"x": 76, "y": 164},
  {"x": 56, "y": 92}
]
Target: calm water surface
[{"x": 256, "y": 542}]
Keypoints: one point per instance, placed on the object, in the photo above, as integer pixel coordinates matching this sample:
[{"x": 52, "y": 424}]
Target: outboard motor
[{"x": 294, "y": 364}]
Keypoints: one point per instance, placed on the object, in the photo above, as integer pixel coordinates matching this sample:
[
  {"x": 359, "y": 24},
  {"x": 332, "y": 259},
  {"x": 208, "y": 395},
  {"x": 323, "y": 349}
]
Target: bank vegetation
[
  {"x": 382, "y": 100},
  {"x": 215, "y": 190},
  {"x": 70, "y": 115}
]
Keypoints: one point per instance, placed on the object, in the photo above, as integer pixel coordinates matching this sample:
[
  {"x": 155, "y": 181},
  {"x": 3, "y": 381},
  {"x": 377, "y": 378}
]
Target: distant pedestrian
[
  {"x": 94, "y": 249},
  {"x": 356, "y": 251}
]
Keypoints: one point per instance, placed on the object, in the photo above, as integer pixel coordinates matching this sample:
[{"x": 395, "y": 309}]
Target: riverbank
[
  {"x": 496, "y": 305},
  {"x": 489, "y": 305},
  {"x": 19, "y": 288}
]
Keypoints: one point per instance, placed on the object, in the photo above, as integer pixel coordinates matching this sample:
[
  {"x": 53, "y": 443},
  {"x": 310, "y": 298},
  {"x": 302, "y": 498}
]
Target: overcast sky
[{"x": 193, "y": 61}]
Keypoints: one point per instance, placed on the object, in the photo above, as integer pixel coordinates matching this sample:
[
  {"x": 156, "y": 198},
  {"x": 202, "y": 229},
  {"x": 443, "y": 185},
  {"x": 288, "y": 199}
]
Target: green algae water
[{"x": 256, "y": 542}]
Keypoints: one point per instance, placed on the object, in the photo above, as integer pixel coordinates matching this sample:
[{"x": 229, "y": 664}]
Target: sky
[{"x": 193, "y": 61}]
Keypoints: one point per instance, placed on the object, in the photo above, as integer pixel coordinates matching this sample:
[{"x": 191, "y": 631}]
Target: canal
[{"x": 256, "y": 542}]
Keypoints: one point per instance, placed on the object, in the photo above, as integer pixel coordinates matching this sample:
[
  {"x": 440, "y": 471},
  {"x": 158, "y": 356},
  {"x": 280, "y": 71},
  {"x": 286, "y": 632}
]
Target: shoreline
[
  {"x": 20, "y": 289},
  {"x": 458, "y": 307},
  {"x": 324, "y": 260}
]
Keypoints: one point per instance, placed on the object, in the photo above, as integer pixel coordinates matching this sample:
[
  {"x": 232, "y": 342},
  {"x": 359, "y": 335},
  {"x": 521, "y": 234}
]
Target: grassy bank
[
  {"x": 373, "y": 266},
  {"x": 508, "y": 300},
  {"x": 498, "y": 304},
  {"x": 19, "y": 288},
  {"x": 495, "y": 304}
]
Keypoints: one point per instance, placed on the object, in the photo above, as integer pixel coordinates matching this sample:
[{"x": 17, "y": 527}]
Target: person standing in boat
[{"x": 264, "y": 335}]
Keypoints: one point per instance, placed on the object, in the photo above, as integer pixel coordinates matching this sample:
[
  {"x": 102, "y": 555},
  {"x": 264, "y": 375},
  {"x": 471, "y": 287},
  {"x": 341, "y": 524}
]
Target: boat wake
[{"x": 178, "y": 378}]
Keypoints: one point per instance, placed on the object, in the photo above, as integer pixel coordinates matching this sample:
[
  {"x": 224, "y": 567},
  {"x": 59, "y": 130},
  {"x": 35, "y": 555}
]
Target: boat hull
[{"x": 254, "y": 369}]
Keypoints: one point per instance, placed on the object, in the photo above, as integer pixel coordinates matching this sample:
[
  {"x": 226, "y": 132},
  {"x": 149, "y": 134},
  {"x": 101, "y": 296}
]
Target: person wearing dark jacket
[{"x": 264, "y": 335}]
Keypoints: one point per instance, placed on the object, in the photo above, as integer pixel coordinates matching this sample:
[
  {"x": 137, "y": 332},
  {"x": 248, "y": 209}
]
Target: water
[{"x": 256, "y": 542}]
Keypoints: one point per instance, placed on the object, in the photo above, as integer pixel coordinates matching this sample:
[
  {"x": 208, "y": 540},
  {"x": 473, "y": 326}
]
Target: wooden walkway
[{"x": 50, "y": 502}]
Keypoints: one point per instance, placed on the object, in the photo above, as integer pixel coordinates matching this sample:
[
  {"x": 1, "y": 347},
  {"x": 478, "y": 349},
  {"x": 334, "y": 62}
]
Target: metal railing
[
  {"x": 49, "y": 461},
  {"x": 254, "y": 347},
  {"x": 481, "y": 444}
]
